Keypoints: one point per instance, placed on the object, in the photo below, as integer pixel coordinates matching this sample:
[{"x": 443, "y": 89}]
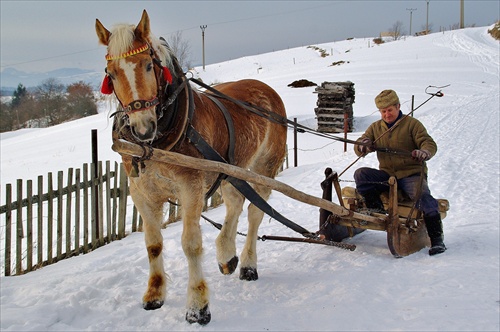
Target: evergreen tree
[{"x": 19, "y": 95}]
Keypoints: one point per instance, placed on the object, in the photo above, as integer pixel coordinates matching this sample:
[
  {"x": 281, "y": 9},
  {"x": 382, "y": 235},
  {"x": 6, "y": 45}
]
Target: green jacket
[{"x": 409, "y": 134}]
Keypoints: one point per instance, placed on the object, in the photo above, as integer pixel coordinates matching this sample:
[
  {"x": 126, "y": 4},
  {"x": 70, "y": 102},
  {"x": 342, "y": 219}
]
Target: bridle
[{"x": 140, "y": 104}]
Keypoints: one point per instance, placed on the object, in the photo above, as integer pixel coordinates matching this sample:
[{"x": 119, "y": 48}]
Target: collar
[{"x": 389, "y": 125}]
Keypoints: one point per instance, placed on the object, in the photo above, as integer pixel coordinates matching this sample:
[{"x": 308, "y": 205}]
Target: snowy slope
[{"x": 303, "y": 286}]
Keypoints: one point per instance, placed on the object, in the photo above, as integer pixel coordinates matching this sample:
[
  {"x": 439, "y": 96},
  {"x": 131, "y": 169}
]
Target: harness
[{"x": 174, "y": 124}]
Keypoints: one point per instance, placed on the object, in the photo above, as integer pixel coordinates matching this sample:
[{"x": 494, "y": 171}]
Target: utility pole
[
  {"x": 203, "y": 27},
  {"x": 411, "y": 14},
  {"x": 462, "y": 25},
  {"x": 427, "y": 19}
]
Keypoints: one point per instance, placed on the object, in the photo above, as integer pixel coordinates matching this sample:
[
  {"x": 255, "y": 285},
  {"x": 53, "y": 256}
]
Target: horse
[{"x": 160, "y": 109}]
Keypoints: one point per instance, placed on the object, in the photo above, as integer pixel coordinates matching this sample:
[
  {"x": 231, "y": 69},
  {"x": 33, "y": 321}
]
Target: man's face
[{"x": 390, "y": 114}]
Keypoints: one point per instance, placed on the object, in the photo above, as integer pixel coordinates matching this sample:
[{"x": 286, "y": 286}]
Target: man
[{"x": 396, "y": 132}]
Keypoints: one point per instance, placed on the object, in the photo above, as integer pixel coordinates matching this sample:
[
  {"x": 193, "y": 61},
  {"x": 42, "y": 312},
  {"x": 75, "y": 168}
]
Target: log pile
[{"x": 334, "y": 99}]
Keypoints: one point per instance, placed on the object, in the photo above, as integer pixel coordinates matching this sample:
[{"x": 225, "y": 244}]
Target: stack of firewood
[{"x": 334, "y": 100}]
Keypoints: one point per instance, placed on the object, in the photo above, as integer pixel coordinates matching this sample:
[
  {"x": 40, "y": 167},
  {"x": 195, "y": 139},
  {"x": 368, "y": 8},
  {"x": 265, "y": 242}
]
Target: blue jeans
[{"x": 374, "y": 180}]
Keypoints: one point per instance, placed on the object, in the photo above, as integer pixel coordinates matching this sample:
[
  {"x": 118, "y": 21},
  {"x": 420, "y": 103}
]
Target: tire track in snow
[
  {"x": 475, "y": 47},
  {"x": 475, "y": 151}
]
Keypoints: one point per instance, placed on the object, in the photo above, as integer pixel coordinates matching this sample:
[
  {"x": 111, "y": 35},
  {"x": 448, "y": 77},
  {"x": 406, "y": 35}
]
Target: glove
[
  {"x": 367, "y": 146},
  {"x": 420, "y": 155}
]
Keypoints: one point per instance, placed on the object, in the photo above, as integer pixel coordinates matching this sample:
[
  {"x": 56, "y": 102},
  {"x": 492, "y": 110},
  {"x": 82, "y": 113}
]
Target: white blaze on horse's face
[
  {"x": 132, "y": 72},
  {"x": 134, "y": 79}
]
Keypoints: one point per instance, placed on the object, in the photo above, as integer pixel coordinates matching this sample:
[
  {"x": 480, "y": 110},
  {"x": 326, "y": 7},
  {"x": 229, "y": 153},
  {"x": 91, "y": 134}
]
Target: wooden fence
[{"x": 86, "y": 209}]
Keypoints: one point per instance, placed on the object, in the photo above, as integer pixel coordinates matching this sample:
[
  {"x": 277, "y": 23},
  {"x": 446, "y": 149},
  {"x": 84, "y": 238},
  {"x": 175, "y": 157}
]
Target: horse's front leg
[
  {"x": 152, "y": 215},
  {"x": 197, "y": 292}
]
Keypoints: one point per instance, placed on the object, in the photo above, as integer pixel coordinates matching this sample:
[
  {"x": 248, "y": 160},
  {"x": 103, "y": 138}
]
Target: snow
[{"x": 302, "y": 286}]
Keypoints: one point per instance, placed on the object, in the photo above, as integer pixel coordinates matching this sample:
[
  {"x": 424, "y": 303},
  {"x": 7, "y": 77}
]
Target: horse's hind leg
[
  {"x": 225, "y": 242},
  {"x": 248, "y": 266},
  {"x": 152, "y": 215}
]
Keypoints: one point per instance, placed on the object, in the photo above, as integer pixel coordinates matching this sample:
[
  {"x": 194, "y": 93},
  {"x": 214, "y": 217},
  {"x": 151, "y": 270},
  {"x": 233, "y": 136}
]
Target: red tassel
[
  {"x": 107, "y": 86},
  {"x": 166, "y": 75}
]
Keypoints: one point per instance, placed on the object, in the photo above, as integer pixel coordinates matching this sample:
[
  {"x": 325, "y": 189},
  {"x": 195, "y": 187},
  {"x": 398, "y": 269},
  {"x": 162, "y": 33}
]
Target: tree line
[{"x": 48, "y": 104}]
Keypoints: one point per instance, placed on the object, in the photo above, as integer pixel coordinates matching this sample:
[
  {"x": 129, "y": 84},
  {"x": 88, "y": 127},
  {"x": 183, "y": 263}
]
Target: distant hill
[{"x": 10, "y": 77}]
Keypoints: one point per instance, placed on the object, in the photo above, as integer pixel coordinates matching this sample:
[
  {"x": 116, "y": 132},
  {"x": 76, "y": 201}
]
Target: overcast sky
[{"x": 37, "y": 36}]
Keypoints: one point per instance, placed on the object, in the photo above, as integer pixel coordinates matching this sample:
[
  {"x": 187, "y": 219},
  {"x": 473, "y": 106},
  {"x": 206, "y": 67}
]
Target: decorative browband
[{"x": 127, "y": 54}]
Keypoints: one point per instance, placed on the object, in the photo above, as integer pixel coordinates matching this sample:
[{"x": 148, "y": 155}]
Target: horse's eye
[
  {"x": 110, "y": 74},
  {"x": 149, "y": 67}
]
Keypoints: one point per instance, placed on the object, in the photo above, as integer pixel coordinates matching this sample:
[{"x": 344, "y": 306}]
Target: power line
[
  {"x": 186, "y": 29},
  {"x": 48, "y": 58}
]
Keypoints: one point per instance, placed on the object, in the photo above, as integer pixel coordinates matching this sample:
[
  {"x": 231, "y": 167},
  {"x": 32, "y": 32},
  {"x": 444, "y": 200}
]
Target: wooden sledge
[
  {"x": 405, "y": 227},
  {"x": 403, "y": 237}
]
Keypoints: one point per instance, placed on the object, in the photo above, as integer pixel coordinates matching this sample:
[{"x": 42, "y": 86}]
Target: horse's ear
[
  {"x": 102, "y": 33},
  {"x": 142, "y": 30}
]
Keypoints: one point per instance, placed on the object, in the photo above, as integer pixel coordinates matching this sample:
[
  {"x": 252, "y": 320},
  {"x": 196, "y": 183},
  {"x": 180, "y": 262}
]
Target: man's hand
[
  {"x": 420, "y": 155},
  {"x": 367, "y": 146}
]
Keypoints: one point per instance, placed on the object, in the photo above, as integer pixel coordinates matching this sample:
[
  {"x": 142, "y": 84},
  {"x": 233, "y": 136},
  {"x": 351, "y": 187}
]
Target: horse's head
[{"x": 137, "y": 71}]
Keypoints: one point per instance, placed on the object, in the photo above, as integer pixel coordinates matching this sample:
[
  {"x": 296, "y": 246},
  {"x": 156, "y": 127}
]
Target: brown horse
[{"x": 159, "y": 109}]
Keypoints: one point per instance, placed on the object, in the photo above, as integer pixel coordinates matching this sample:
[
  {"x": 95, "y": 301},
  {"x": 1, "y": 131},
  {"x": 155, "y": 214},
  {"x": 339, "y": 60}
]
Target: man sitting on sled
[{"x": 408, "y": 134}]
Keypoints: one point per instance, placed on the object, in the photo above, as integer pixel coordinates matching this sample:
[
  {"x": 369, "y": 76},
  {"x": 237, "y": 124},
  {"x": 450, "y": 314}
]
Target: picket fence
[{"x": 85, "y": 210}]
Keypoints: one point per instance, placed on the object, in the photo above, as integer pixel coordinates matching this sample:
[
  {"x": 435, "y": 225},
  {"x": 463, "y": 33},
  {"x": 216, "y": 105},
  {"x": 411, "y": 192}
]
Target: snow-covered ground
[{"x": 303, "y": 286}]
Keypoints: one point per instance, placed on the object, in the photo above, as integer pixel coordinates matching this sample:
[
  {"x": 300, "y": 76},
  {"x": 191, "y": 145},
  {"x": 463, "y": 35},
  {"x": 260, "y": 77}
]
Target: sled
[
  {"x": 404, "y": 224},
  {"x": 404, "y": 235}
]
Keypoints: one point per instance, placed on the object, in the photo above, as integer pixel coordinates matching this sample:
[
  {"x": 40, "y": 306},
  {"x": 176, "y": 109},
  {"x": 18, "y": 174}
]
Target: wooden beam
[{"x": 169, "y": 157}]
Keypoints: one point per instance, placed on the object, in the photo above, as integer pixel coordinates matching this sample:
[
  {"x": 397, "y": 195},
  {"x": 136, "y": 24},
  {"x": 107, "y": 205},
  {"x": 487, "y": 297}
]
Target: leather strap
[
  {"x": 230, "y": 126},
  {"x": 242, "y": 186}
]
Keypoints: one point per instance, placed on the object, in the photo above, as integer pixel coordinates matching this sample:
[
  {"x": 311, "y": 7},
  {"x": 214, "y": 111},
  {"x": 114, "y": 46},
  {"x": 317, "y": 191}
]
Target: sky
[
  {"x": 301, "y": 287},
  {"x": 38, "y": 36}
]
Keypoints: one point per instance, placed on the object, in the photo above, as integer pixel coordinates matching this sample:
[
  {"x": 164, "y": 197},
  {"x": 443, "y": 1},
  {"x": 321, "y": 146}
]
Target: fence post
[
  {"x": 50, "y": 217},
  {"x": 295, "y": 157},
  {"x": 85, "y": 226},
  {"x": 100, "y": 203},
  {"x": 346, "y": 128},
  {"x": 122, "y": 203},
  {"x": 95, "y": 190},
  {"x": 40, "y": 222},
  {"x": 60, "y": 179},
  {"x": 19, "y": 227},
  {"x": 8, "y": 228},
  {"x": 77, "y": 211},
  {"x": 29, "y": 225},
  {"x": 115, "y": 200},
  {"x": 108, "y": 202}
]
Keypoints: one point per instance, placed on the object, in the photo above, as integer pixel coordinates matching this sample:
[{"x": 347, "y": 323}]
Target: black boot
[
  {"x": 435, "y": 231},
  {"x": 373, "y": 202}
]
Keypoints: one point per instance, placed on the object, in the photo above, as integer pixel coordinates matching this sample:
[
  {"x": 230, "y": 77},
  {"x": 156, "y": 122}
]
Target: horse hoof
[
  {"x": 230, "y": 266},
  {"x": 248, "y": 273},
  {"x": 201, "y": 317},
  {"x": 153, "y": 305}
]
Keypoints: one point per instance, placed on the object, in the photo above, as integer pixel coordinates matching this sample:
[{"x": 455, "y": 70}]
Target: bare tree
[
  {"x": 397, "y": 30},
  {"x": 50, "y": 98},
  {"x": 181, "y": 49}
]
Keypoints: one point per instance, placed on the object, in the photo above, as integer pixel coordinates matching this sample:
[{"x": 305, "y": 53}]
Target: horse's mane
[{"x": 122, "y": 38}]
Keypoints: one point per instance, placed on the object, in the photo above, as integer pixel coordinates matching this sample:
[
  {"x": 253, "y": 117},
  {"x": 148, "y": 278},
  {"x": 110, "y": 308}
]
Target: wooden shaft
[{"x": 169, "y": 157}]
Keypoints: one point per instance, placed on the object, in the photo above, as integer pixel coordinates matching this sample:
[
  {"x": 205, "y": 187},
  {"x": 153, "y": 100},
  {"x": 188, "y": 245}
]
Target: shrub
[{"x": 495, "y": 31}]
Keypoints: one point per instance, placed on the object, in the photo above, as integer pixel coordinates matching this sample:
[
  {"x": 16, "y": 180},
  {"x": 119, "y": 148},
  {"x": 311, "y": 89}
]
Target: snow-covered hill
[
  {"x": 303, "y": 286},
  {"x": 10, "y": 78}
]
